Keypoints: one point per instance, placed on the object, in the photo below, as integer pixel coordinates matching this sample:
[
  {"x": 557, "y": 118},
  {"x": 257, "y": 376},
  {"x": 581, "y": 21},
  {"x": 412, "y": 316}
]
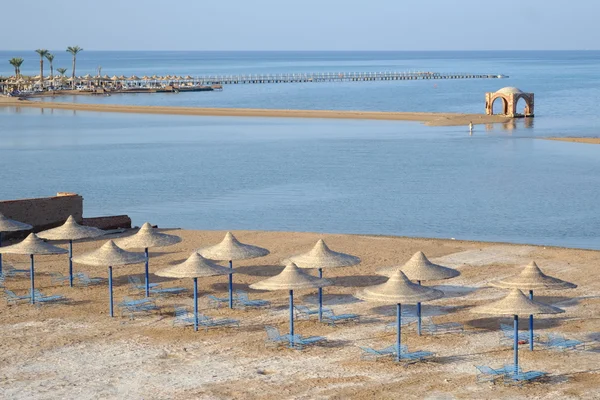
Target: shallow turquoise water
[{"x": 378, "y": 177}]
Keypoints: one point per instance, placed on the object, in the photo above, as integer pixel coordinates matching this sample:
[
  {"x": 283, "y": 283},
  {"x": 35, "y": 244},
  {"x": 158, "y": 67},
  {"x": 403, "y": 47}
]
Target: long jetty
[{"x": 336, "y": 77}]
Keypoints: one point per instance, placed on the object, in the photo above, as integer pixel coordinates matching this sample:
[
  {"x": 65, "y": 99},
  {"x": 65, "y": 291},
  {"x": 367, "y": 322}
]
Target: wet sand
[
  {"x": 76, "y": 351},
  {"x": 587, "y": 140},
  {"x": 432, "y": 119}
]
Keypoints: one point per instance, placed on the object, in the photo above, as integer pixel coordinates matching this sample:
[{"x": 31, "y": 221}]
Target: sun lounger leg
[
  {"x": 110, "y": 292},
  {"x": 147, "y": 273},
  {"x": 231, "y": 285},
  {"x": 196, "y": 304},
  {"x": 320, "y": 297}
]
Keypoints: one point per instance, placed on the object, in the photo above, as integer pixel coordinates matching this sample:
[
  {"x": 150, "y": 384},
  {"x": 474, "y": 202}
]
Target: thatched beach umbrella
[
  {"x": 194, "y": 267},
  {"x": 532, "y": 278},
  {"x": 112, "y": 255},
  {"x": 231, "y": 249},
  {"x": 122, "y": 77},
  {"x": 321, "y": 256},
  {"x": 70, "y": 231},
  {"x": 291, "y": 278},
  {"x": 9, "y": 225},
  {"x": 419, "y": 268},
  {"x": 133, "y": 78},
  {"x": 398, "y": 290},
  {"x": 114, "y": 78},
  {"x": 32, "y": 245},
  {"x": 145, "y": 238},
  {"x": 515, "y": 304}
]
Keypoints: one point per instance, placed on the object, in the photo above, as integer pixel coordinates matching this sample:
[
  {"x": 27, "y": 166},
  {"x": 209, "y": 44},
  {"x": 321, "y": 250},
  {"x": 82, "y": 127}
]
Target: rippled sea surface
[{"x": 503, "y": 183}]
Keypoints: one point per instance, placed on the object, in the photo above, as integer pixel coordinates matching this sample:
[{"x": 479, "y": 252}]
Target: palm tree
[
  {"x": 16, "y": 63},
  {"x": 43, "y": 53},
  {"x": 61, "y": 71},
  {"x": 50, "y": 58},
  {"x": 74, "y": 50}
]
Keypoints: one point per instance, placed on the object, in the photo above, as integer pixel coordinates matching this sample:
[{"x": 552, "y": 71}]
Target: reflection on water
[{"x": 378, "y": 177}]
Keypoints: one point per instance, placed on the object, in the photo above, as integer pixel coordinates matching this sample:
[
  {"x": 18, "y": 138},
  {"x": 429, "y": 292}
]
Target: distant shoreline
[
  {"x": 429, "y": 118},
  {"x": 587, "y": 140}
]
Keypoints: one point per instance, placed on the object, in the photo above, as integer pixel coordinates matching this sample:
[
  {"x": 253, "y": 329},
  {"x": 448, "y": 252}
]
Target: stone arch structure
[{"x": 509, "y": 97}]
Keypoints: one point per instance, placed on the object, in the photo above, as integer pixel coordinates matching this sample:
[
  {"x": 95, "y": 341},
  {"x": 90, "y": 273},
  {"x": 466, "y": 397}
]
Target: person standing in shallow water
[{"x": 470, "y": 128}]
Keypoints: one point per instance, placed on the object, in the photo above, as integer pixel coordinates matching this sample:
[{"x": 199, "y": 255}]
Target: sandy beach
[
  {"x": 576, "y": 139},
  {"x": 76, "y": 351},
  {"x": 431, "y": 119}
]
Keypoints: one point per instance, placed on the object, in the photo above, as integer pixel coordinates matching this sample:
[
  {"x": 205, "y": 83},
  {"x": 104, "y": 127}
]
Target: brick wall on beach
[{"x": 46, "y": 212}]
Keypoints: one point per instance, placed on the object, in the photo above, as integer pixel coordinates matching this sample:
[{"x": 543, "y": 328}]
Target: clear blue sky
[{"x": 301, "y": 25}]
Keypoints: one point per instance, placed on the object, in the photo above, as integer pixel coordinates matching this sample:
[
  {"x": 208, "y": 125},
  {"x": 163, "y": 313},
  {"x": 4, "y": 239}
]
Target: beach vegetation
[
  {"x": 50, "y": 58},
  {"x": 43, "y": 53},
  {"x": 74, "y": 50},
  {"x": 16, "y": 62}
]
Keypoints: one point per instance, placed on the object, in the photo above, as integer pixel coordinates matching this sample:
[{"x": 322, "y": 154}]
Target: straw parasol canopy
[
  {"x": 145, "y": 78},
  {"x": 187, "y": 77},
  {"x": 10, "y": 225},
  {"x": 110, "y": 254},
  {"x": 87, "y": 77},
  {"x": 516, "y": 303},
  {"x": 114, "y": 78},
  {"x": 291, "y": 278},
  {"x": 32, "y": 245},
  {"x": 195, "y": 266},
  {"x": 232, "y": 249},
  {"x": 71, "y": 230},
  {"x": 148, "y": 237},
  {"x": 122, "y": 77},
  {"x": 419, "y": 268},
  {"x": 133, "y": 78},
  {"x": 399, "y": 289},
  {"x": 321, "y": 256},
  {"x": 532, "y": 278}
]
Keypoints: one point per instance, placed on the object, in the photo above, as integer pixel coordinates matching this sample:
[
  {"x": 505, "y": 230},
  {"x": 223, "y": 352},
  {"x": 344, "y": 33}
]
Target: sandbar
[
  {"x": 76, "y": 350},
  {"x": 588, "y": 140},
  {"x": 431, "y": 119}
]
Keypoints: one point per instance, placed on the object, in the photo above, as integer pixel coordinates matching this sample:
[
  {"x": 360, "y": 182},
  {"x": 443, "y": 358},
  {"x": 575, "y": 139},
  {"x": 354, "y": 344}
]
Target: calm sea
[{"x": 401, "y": 178}]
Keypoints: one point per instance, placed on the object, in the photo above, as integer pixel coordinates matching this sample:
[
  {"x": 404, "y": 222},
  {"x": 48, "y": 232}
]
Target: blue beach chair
[
  {"x": 559, "y": 342},
  {"x": 508, "y": 335},
  {"x": 243, "y": 300},
  {"x": 304, "y": 312},
  {"x": 209, "y": 322},
  {"x": 331, "y": 318},
  {"x": 370, "y": 353},
  {"x": 12, "y": 298},
  {"x": 274, "y": 338},
  {"x": 300, "y": 342},
  {"x": 57, "y": 277},
  {"x": 183, "y": 317},
  {"x": 84, "y": 279},
  {"x": 448, "y": 327},
  {"x": 216, "y": 302}
]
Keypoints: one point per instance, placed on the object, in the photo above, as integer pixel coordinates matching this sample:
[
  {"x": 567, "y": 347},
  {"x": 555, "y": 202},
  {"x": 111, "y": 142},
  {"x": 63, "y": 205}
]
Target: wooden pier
[{"x": 336, "y": 77}]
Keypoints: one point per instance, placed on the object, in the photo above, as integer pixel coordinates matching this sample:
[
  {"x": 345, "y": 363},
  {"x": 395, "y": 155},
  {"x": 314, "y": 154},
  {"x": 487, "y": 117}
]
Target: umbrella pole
[
  {"x": 320, "y": 297},
  {"x": 231, "y": 285},
  {"x": 147, "y": 275},
  {"x": 516, "y": 344},
  {"x": 110, "y": 292},
  {"x": 196, "y": 304},
  {"x": 291, "y": 318},
  {"x": 398, "y": 330},
  {"x": 0, "y": 254},
  {"x": 419, "y": 315},
  {"x": 31, "y": 272},
  {"x": 70, "y": 262},
  {"x": 531, "y": 324}
]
